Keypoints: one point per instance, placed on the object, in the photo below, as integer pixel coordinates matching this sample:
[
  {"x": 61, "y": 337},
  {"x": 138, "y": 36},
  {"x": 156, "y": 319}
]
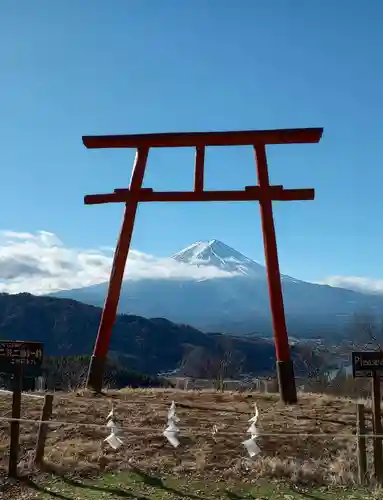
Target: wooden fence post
[
  {"x": 361, "y": 443},
  {"x": 15, "y": 424},
  {"x": 377, "y": 440},
  {"x": 43, "y": 429}
]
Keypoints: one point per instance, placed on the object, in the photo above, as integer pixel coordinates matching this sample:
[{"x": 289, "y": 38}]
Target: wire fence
[
  {"x": 60, "y": 397},
  {"x": 338, "y": 435}
]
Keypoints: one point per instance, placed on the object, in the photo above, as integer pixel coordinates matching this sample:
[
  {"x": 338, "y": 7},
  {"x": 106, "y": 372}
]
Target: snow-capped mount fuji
[
  {"x": 218, "y": 254},
  {"x": 238, "y": 303}
]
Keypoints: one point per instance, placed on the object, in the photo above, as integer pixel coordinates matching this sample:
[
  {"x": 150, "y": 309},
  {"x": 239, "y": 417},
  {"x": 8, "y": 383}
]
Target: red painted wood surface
[
  {"x": 194, "y": 139},
  {"x": 145, "y": 196},
  {"x": 119, "y": 261},
  {"x": 199, "y": 169},
  {"x": 271, "y": 256}
]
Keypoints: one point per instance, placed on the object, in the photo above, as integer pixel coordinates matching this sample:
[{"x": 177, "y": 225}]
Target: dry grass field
[{"x": 310, "y": 445}]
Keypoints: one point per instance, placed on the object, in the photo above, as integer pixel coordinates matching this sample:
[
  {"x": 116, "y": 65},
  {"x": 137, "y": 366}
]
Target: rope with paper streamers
[
  {"x": 172, "y": 431},
  {"x": 123, "y": 429},
  {"x": 114, "y": 440},
  {"x": 251, "y": 444}
]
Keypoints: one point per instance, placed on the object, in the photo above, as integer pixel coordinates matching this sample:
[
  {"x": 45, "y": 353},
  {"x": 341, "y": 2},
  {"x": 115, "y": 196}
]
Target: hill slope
[{"x": 149, "y": 346}]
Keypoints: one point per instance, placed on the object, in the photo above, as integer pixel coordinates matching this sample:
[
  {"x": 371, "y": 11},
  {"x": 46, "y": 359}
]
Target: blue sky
[{"x": 71, "y": 68}]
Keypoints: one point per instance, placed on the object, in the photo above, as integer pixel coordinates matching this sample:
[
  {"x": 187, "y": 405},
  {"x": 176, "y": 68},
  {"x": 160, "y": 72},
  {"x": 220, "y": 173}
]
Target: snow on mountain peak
[{"x": 218, "y": 254}]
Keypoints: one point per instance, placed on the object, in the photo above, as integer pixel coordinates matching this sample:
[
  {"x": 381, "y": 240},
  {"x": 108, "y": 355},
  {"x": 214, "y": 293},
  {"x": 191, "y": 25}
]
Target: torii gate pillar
[{"x": 263, "y": 192}]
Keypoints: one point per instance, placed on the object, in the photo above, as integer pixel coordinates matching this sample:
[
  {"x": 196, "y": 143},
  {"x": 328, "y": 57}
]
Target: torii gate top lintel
[{"x": 198, "y": 139}]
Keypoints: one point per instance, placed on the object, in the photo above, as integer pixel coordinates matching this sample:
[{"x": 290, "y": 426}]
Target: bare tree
[
  {"x": 366, "y": 331},
  {"x": 228, "y": 366},
  {"x": 319, "y": 367},
  {"x": 66, "y": 373},
  {"x": 196, "y": 363},
  {"x": 224, "y": 363}
]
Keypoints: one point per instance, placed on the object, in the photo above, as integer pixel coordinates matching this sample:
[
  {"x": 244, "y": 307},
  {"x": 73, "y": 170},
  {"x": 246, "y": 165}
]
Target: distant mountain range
[
  {"x": 150, "y": 346},
  {"x": 238, "y": 303}
]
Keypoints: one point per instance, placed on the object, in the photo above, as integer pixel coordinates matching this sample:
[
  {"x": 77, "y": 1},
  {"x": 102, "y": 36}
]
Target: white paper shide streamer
[
  {"x": 172, "y": 432},
  {"x": 113, "y": 439},
  {"x": 250, "y": 444}
]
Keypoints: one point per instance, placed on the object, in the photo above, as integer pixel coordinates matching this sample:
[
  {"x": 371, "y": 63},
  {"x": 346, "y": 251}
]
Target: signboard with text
[
  {"x": 365, "y": 364},
  {"x": 28, "y": 355}
]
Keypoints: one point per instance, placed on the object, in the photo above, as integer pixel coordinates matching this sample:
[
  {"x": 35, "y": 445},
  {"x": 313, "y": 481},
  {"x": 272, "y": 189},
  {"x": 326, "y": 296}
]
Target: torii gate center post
[{"x": 263, "y": 192}]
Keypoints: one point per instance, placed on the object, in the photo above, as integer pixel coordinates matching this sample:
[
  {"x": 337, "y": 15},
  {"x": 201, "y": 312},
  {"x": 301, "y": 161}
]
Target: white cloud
[
  {"x": 357, "y": 283},
  {"x": 40, "y": 263}
]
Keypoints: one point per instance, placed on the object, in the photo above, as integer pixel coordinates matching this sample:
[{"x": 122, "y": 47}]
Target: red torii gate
[{"x": 263, "y": 192}]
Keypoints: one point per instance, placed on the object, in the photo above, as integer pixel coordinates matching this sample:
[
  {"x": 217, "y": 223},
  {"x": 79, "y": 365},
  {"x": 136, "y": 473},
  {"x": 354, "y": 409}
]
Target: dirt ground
[{"x": 288, "y": 451}]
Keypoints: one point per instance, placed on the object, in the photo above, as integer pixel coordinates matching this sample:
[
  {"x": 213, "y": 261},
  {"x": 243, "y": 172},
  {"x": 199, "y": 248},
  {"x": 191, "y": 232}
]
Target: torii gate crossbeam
[{"x": 263, "y": 192}]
